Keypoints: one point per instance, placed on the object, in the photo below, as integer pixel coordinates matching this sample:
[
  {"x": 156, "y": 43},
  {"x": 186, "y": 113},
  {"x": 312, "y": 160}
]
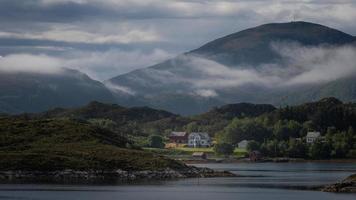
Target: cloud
[
  {"x": 103, "y": 65},
  {"x": 317, "y": 64},
  {"x": 66, "y": 33},
  {"x": 300, "y": 65},
  {"x": 111, "y": 37},
  {"x": 30, "y": 63},
  {"x": 119, "y": 89},
  {"x": 100, "y": 65},
  {"x": 206, "y": 93}
]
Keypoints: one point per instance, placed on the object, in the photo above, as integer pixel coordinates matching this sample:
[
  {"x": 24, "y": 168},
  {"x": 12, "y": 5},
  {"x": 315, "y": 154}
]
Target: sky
[{"x": 106, "y": 38}]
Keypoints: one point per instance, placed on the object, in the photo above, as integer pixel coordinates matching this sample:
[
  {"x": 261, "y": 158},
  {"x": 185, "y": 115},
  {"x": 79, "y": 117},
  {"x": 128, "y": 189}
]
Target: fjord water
[{"x": 268, "y": 181}]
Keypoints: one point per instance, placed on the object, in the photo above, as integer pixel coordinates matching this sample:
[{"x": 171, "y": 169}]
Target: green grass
[
  {"x": 167, "y": 152},
  {"x": 237, "y": 152},
  {"x": 191, "y": 150},
  {"x": 240, "y": 152}
]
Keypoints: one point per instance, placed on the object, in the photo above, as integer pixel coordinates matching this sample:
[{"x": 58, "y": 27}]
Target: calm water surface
[{"x": 267, "y": 181}]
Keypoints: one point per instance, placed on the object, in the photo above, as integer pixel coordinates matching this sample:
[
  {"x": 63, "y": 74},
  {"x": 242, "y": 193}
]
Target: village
[{"x": 200, "y": 147}]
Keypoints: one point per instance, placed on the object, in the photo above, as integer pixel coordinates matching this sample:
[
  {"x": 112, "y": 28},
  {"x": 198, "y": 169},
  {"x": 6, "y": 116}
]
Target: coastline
[
  {"x": 209, "y": 161},
  {"x": 108, "y": 176}
]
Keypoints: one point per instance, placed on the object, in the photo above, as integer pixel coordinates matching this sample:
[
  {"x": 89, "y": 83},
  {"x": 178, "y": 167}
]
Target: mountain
[
  {"x": 280, "y": 64},
  {"x": 34, "y": 92}
]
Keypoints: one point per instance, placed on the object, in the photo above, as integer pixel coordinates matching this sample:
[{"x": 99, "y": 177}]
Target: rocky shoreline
[
  {"x": 118, "y": 176},
  {"x": 346, "y": 186}
]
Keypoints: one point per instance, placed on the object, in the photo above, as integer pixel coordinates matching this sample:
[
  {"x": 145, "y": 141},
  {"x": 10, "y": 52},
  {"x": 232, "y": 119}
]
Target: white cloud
[
  {"x": 30, "y": 63},
  {"x": 103, "y": 65},
  {"x": 206, "y": 93},
  {"x": 301, "y": 65},
  {"x": 119, "y": 89},
  {"x": 98, "y": 65}
]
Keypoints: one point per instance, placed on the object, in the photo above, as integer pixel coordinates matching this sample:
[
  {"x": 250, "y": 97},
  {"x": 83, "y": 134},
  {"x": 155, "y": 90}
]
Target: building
[
  {"x": 201, "y": 155},
  {"x": 178, "y": 137},
  {"x": 242, "y": 144},
  {"x": 199, "y": 139},
  {"x": 255, "y": 156},
  {"x": 312, "y": 137}
]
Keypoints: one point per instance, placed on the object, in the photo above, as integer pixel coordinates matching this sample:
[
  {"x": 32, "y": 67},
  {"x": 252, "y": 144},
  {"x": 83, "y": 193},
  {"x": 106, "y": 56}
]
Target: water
[{"x": 268, "y": 181}]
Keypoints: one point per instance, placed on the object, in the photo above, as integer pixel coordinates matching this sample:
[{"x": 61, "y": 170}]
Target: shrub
[{"x": 224, "y": 149}]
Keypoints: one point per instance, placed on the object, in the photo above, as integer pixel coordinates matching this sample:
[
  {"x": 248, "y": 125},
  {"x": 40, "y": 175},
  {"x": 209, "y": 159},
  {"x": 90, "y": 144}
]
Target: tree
[
  {"x": 297, "y": 149},
  {"x": 243, "y": 129},
  {"x": 192, "y": 127},
  {"x": 224, "y": 149},
  {"x": 156, "y": 141},
  {"x": 283, "y": 129},
  {"x": 253, "y": 146},
  {"x": 319, "y": 150}
]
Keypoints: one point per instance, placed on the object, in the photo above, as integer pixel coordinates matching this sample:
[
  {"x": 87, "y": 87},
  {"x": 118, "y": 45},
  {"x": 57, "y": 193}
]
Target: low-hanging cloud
[
  {"x": 42, "y": 64},
  {"x": 299, "y": 65},
  {"x": 100, "y": 65}
]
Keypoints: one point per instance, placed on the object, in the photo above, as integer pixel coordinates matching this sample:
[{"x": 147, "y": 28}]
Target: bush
[
  {"x": 224, "y": 149},
  {"x": 156, "y": 141},
  {"x": 253, "y": 146}
]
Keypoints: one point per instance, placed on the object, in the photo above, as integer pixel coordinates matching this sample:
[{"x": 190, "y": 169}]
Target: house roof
[
  {"x": 178, "y": 134},
  {"x": 313, "y": 134},
  {"x": 243, "y": 142},
  {"x": 202, "y": 135}
]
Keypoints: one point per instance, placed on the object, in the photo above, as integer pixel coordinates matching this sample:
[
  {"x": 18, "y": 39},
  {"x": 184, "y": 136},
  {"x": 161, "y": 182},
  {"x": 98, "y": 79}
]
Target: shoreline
[
  {"x": 108, "y": 176},
  {"x": 211, "y": 161}
]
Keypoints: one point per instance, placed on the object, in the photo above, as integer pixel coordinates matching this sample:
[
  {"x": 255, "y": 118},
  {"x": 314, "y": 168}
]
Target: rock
[{"x": 348, "y": 185}]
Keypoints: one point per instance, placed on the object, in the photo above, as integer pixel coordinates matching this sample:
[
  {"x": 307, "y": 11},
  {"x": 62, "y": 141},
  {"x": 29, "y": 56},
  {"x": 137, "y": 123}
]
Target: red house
[
  {"x": 255, "y": 156},
  {"x": 178, "y": 137}
]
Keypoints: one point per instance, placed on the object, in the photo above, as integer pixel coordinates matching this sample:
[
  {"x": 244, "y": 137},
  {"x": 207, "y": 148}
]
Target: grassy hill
[{"x": 58, "y": 144}]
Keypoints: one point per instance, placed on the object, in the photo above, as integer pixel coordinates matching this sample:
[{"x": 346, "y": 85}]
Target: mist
[
  {"x": 298, "y": 65},
  {"x": 28, "y": 63},
  {"x": 98, "y": 65}
]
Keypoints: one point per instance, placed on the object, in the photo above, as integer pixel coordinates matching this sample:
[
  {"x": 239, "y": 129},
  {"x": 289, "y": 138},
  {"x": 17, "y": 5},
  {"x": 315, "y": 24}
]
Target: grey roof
[
  {"x": 202, "y": 135},
  {"x": 313, "y": 134},
  {"x": 178, "y": 134}
]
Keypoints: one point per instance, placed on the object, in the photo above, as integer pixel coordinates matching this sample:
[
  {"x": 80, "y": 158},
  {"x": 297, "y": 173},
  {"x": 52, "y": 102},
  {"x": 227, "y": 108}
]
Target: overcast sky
[{"x": 105, "y": 38}]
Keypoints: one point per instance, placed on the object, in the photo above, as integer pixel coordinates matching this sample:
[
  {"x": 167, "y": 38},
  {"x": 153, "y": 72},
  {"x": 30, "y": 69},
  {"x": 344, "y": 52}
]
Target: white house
[
  {"x": 312, "y": 137},
  {"x": 242, "y": 144},
  {"x": 198, "y": 139}
]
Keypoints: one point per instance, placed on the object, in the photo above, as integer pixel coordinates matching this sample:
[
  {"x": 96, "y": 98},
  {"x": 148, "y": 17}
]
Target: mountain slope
[
  {"x": 265, "y": 64},
  {"x": 34, "y": 92}
]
